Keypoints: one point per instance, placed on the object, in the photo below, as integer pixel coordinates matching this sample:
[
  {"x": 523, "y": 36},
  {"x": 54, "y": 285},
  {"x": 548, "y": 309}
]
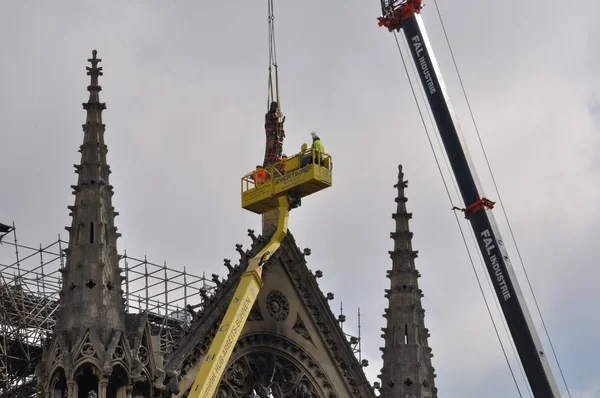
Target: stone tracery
[
  {"x": 278, "y": 305},
  {"x": 266, "y": 374}
]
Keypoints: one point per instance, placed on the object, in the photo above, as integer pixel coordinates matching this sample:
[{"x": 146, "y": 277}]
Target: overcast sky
[{"x": 185, "y": 87}]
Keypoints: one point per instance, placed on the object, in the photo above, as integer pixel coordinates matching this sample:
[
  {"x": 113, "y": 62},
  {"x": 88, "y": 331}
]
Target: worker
[
  {"x": 318, "y": 148},
  {"x": 317, "y": 145},
  {"x": 282, "y": 163},
  {"x": 260, "y": 175}
]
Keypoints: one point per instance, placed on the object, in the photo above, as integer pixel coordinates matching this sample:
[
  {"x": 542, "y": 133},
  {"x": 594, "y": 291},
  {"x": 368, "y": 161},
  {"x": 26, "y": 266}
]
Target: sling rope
[
  {"x": 455, "y": 215},
  {"x": 500, "y": 198},
  {"x": 273, "y": 89}
]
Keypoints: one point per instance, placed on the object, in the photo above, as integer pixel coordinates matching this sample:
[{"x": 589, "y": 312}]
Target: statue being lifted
[{"x": 274, "y": 120}]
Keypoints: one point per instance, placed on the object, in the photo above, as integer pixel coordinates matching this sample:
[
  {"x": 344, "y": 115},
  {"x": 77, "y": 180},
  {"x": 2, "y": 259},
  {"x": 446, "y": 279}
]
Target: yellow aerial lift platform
[{"x": 301, "y": 175}]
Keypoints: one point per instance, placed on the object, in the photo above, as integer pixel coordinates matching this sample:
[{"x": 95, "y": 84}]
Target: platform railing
[{"x": 272, "y": 171}]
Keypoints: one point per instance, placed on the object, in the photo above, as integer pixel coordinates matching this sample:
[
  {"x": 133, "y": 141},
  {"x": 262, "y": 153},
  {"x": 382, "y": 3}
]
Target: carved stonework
[
  {"x": 255, "y": 314},
  {"x": 300, "y": 328},
  {"x": 119, "y": 353},
  {"x": 200, "y": 334},
  {"x": 87, "y": 349},
  {"x": 143, "y": 355},
  {"x": 58, "y": 354},
  {"x": 266, "y": 374},
  {"x": 278, "y": 305},
  {"x": 345, "y": 360}
]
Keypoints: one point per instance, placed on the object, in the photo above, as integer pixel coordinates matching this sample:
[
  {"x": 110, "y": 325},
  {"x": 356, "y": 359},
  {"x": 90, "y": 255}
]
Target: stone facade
[
  {"x": 291, "y": 331},
  {"x": 292, "y": 344}
]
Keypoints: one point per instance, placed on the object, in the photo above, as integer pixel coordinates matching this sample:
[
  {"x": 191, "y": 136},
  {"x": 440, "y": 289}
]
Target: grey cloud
[{"x": 185, "y": 87}]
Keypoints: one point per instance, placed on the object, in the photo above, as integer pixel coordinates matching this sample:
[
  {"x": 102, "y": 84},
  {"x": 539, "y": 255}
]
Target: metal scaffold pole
[{"x": 30, "y": 281}]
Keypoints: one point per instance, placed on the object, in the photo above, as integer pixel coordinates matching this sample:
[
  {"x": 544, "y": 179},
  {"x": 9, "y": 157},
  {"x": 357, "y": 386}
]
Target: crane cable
[
  {"x": 500, "y": 198},
  {"x": 481, "y": 262},
  {"x": 456, "y": 216},
  {"x": 272, "y": 91}
]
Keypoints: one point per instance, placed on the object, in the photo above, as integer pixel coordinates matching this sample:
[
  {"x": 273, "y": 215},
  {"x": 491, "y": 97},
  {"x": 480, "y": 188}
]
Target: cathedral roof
[{"x": 292, "y": 314}]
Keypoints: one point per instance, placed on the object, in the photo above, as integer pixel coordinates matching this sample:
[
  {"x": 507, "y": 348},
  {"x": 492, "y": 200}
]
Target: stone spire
[
  {"x": 407, "y": 370},
  {"x": 90, "y": 353},
  {"x": 91, "y": 296}
]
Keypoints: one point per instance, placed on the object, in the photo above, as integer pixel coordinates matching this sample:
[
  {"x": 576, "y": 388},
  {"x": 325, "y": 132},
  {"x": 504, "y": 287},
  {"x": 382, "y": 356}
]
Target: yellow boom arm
[{"x": 215, "y": 360}]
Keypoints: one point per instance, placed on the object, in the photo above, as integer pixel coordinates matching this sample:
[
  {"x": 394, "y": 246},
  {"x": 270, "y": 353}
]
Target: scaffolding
[
  {"x": 354, "y": 341},
  {"x": 30, "y": 281},
  {"x": 29, "y": 286}
]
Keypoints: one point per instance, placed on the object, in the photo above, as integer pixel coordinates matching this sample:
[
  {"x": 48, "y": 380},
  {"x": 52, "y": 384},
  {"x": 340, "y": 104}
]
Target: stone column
[
  {"x": 71, "y": 388},
  {"x": 102, "y": 390}
]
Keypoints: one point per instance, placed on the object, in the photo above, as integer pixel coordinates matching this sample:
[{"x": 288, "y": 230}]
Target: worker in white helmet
[{"x": 317, "y": 145}]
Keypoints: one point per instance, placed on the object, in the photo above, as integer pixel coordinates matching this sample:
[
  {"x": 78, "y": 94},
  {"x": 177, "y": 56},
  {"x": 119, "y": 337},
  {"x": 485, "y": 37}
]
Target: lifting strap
[{"x": 273, "y": 91}]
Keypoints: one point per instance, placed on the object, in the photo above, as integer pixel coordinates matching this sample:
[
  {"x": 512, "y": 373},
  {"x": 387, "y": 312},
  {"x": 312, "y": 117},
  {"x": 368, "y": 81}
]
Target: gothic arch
[
  {"x": 142, "y": 385},
  {"x": 118, "y": 382},
  {"x": 58, "y": 383},
  {"x": 141, "y": 389},
  {"x": 266, "y": 365},
  {"x": 92, "y": 363},
  {"x": 87, "y": 378}
]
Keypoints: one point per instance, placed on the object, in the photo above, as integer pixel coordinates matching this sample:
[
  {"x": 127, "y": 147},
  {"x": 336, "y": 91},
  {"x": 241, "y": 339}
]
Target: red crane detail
[{"x": 393, "y": 19}]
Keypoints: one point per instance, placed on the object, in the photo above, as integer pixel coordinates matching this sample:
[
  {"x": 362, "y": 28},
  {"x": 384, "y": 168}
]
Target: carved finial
[
  {"x": 239, "y": 249},
  {"x": 330, "y": 296},
  {"x": 401, "y": 183},
  {"x": 94, "y": 61},
  {"x": 252, "y": 236},
  {"x": 227, "y": 263},
  {"x": 94, "y": 71},
  {"x": 318, "y": 273},
  {"x": 215, "y": 279},
  {"x": 204, "y": 296},
  {"x": 93, "y": 106},
  {"x": 191, "y": 311},
  {"x": 306, "y": 251}
]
